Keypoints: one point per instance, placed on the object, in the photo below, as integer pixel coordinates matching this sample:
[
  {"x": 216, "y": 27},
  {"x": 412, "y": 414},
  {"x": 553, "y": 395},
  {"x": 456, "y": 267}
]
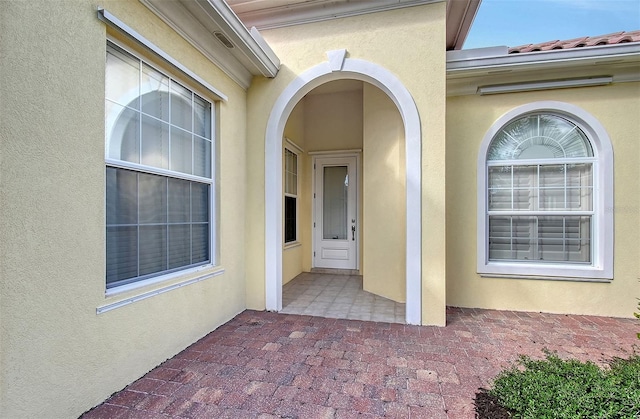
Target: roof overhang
[
  {"x": 460, "y": 16},
  {"x": 469, "y": 70},
  {"x": 219, "y": 31},
  {"x": 213, "y": 28},
  {"x": 271, "y": 14}
]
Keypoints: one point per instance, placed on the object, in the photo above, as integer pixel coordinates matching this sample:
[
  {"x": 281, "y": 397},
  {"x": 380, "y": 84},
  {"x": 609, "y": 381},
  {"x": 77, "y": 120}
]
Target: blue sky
[{"x": 518, "y": 22}]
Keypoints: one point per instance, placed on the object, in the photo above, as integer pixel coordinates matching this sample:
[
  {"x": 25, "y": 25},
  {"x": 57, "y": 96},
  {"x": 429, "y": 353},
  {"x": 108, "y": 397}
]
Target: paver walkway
[{"x": 267, "y": 365}]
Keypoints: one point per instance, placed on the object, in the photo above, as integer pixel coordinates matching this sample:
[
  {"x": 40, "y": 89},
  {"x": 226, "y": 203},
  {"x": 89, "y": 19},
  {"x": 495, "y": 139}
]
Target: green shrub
[
  {"x": 637, "y": 317},
  {"x": 556, "y": 388}
]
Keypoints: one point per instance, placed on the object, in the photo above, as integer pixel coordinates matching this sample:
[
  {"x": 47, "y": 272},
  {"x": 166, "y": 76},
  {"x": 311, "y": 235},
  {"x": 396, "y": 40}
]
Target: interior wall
[
  {"x": 58, "y": 357},
  {"x": 616, "y": 107},
  {"x": 333, "y": 121},
  {"x": 384, "y": 197}
]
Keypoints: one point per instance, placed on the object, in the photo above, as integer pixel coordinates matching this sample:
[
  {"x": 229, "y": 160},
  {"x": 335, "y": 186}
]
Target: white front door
[{"x": 335, "y": 213}]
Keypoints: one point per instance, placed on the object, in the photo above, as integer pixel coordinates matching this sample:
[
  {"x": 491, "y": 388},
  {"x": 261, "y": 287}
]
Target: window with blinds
[
  {"x": 159, "y": 183},
  {"x": 540, "y": 200},
  {"x": 290, "y": 196}
]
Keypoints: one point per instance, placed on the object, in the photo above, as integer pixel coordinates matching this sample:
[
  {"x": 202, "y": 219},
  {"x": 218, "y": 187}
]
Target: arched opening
[{"x": 338, "y": 68}]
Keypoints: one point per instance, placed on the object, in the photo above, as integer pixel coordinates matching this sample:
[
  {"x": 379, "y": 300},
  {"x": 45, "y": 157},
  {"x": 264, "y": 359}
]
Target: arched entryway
[{"x": 340, "y": 67}]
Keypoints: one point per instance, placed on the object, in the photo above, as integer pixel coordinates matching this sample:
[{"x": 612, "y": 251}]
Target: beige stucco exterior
[
  {"x": 384, "y": 197},
  {"x": 397, "y": 41},
  {"x": 468, "y": 119},
  {"x": 59, "y": 358}
]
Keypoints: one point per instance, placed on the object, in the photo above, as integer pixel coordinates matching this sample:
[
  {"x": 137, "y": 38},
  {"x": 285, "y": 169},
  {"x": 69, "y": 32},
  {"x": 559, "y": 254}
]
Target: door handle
[{"x": 353, "y": 233}]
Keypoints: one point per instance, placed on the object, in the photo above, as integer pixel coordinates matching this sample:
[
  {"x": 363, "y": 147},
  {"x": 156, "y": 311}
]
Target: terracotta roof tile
[{"x": 585, "y": 41}]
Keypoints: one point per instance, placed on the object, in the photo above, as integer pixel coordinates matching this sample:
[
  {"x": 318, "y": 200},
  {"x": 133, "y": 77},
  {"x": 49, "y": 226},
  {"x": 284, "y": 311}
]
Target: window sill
[
  {"x": 187, "y": 277},
  {"x": 545, "y": 278},
  {"x": 291, "y": 245},
  {"x": 547, "y": 271}
]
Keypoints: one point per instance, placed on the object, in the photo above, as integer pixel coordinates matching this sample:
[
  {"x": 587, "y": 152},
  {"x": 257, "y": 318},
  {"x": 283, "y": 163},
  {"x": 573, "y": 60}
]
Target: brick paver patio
[{"x": 268, "y": 365}]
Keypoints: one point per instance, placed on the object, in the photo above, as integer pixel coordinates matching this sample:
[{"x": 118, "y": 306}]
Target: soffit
[
  {"x": 460, "y": 16},
  {"x": 212, "y": 27},
  {"x": 467, "y": 70},
  {"x": 269, "y": 14},
  {"x": 218, "y": 29}
]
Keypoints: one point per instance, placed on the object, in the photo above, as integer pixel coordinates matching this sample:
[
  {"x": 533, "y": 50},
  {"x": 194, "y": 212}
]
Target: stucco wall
[
  {"x": 410, "y": 44},
  {"x": 59, "y": 358},
  {"x": 333, "y": 121},
  {"x": 384, "y": 197},
  {"x": 468, "y": 118}
]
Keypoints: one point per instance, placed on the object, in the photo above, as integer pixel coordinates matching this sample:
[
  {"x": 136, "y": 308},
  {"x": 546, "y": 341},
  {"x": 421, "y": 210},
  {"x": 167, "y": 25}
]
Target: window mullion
[
  {"x": 139, "y": 111},
  {"x": 511, "y": 248},
  {"x": 536, "y": 240},
  {"x": 138, "y": 224},
  {"x": 167, "y": 227},
  {"x": 193, "y": 130},
  {"x": 565, "y": 254},
  {"x": 565, "y": 169},
  {"x": 536, "y": 188},
  {"x": 156, "y": 171},
  {"x": 512, "y": 188}
]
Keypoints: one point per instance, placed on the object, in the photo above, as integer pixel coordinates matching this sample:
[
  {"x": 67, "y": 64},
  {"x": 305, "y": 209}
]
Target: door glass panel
[{"x": 334, "y": 205}]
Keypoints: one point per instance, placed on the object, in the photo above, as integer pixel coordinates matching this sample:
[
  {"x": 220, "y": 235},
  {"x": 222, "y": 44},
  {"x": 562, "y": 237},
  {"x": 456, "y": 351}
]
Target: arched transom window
[
  {"x": 542, "y": 198},
  {"x": 540, "y": 191},
  {"x": 159, "y": 158}
]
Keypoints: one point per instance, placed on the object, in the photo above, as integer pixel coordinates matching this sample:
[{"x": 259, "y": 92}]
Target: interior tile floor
[{"x": 338, "y": 297}]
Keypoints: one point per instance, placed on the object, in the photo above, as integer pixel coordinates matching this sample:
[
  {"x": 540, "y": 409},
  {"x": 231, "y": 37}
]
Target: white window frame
[
  {"x": 601, "y": 267},
  {"x": 295, "y": 242},
  {"x": 190, "y": 82}
]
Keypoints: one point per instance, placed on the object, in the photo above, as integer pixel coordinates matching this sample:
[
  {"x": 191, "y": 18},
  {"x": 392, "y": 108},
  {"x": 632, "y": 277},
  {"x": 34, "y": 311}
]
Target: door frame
[
  {"x": 337, "y": 67},
  {"x": 336, "y": 154}
]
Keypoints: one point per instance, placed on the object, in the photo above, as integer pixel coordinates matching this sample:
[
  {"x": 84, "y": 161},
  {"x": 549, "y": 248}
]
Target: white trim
[
  {"x": 548, "y": 278},
  {"x": 544, "y": 85},
  {"x": 199, "y": 21},
  {"x": 468, "y": 69},
  {"x": 118, "y": 24},
  {"x": 123, "y": 164},
  {"x": 383, "y": 79},
  {"x": 463, "y": 63},
  {"x": 317, "y": 195},
  {"x": 602, "y": 240},
  {"x": 294, "y": 145},
  {"x": 259, "y": 52},
  {"x": 211, "y": 181},
  {"x": 290, "y": 195},
  {"x": 319, "y": 153},
  {"x": 149, "y": 294},
  {"x": 296, "y": 13}
]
